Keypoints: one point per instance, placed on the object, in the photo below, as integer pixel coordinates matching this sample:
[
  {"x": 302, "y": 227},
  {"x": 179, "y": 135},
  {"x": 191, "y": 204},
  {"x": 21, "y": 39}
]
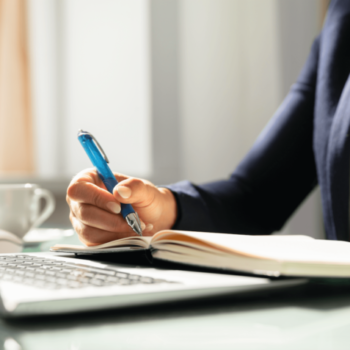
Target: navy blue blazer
[{"x": 306, "y": 143}]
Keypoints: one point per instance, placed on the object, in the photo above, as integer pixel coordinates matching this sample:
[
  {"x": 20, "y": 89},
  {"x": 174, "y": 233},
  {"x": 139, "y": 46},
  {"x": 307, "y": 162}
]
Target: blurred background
[{"x": 172, "y": 89}]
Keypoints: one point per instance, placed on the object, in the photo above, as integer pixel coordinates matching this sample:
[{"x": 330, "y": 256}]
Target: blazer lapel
[
  {"x": 337, "y": 168},
  {"x": 332, "y": 119}
]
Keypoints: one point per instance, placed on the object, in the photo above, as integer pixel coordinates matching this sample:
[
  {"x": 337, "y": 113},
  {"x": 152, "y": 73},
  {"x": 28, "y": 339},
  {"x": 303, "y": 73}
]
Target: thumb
[{"x": 134, "y": 191}]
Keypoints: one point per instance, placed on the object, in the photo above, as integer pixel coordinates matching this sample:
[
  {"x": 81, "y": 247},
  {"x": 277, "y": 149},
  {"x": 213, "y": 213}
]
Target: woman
[{"x": 305, "y": 143}]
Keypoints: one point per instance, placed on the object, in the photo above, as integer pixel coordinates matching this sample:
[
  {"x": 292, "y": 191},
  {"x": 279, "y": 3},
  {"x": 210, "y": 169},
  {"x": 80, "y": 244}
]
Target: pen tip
[
  {"x": 134, "y": 222},
  {"x": 137, "y": 230}
]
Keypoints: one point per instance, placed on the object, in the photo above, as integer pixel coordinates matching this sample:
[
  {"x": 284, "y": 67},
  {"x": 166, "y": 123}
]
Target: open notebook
[{"x": 262, "y": 255}]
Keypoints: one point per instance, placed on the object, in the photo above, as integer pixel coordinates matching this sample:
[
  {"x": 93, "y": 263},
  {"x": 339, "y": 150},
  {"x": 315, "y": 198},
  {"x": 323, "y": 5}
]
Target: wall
[
  {"x": 229, "y": 81},
  {"x": 90, "y": 69},
  {"x": 165, "y": 91}
]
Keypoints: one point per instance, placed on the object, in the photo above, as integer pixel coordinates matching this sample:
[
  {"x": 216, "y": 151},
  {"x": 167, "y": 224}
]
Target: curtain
[{"x": 16, "y": 146}]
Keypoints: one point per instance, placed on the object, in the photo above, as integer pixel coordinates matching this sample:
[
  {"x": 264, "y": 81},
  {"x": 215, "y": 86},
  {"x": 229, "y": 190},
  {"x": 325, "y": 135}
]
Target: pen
[{"x": 100, "y": 162}]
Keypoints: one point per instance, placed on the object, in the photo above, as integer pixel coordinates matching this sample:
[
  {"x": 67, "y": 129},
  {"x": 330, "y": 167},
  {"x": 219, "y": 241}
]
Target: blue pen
[{"x": 100, "y": 160}]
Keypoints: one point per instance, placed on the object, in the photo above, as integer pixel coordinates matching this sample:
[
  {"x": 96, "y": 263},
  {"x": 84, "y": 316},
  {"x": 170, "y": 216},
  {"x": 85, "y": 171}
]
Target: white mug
[{"x": 20, "y": 207}]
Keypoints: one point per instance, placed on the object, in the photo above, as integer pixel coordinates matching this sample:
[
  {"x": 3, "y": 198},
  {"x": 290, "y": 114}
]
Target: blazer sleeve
[{"x": 270, "y": 182}]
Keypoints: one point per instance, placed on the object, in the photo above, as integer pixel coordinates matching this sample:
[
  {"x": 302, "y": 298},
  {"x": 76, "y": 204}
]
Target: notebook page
[
  {"x": 284, "y": 248},
  {"x": 142, "y": 242},
  {"x": 207, "y": 241}
]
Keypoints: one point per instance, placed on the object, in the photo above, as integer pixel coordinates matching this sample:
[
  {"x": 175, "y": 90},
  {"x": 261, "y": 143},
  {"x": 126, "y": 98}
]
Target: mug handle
[{"x": 49, "y": 207}]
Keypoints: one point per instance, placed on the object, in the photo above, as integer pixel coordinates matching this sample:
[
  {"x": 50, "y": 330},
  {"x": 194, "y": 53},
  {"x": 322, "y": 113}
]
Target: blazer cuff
[{"x": 192, "y": 211}]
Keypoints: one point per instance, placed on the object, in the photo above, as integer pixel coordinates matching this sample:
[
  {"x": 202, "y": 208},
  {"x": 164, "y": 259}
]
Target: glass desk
[{"x": 312, "y": 317}]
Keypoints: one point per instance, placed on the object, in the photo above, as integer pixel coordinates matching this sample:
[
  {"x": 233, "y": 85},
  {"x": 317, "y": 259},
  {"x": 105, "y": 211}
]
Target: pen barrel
[
  {"x": 126, "y": 209},
  {"x": 103, "y": 170},
  {"x": 110, "y": 183}
]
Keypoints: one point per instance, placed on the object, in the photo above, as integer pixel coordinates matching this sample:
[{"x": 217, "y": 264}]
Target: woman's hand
[{"x": 95, "y": 213}]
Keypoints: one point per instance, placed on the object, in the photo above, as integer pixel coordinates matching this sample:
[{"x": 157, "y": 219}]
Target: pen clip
[{"x": 82, "y": 132}]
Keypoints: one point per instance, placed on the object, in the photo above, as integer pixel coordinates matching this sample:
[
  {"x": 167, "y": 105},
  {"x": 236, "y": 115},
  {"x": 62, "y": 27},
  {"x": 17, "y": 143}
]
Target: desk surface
[{"x": 316, "y": 317}]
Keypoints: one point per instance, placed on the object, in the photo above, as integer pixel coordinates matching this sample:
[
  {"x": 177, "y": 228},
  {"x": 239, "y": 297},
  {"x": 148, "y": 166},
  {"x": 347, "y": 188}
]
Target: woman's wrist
[{"x": 170, "y": 210}]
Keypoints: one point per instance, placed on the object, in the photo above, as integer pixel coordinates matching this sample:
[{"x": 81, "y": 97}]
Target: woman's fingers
[
  {"x": 94, "y": 236},
  {"x": 89, "y": 193},
  {"x": 87, "y": 187},
  {"x": 88, "y": 175},
  {"x": 99, "y": 218},
  {"x": 135, "y": 191}
]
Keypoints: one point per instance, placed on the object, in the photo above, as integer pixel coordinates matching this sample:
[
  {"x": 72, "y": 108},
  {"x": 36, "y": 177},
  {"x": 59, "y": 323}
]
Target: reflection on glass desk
[
  {"x": 41, "y": 239},
  {"x": 312, "y": 317}
]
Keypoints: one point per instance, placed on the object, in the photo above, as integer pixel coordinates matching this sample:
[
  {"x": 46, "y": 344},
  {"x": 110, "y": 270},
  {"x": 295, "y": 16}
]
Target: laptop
[{"x": 47, "y": 284}]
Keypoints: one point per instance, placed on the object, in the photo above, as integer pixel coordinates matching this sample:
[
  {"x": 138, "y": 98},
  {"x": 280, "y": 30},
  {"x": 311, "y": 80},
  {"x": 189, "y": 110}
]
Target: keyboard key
[
  {"x": 76, "y": 273},
  {"x": 67, "y": 270},
  {"x": 50, "y": 273},
  {"x": 124, "y": 281},
  {"x": 106, "y": 272},
  {"x": 101, "y": 277},
  {"x": 121, "y": 274},
  {"x": 72, "y": 277},
  {"x": 74, "y": 284},
  {"x": 112, "y": 279},
  {"x": 89, "y": 274},
  {"x": 84, "y": 280},
  {"x": 60, "y": 274},
  {"x": 146, "y": 280},
  {"x": 96, "y": 282},
  {"x": 50, "y": 279}
]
